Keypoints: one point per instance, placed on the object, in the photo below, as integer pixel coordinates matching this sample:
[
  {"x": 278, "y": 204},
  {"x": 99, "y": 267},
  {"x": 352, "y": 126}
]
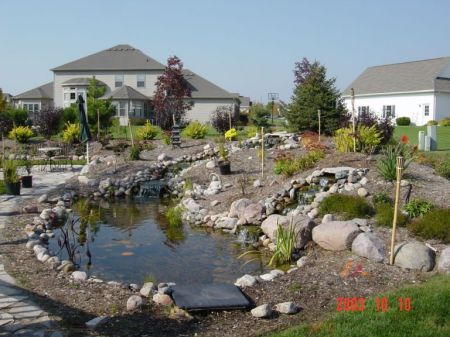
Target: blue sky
[{"x": 248, "y": 47}]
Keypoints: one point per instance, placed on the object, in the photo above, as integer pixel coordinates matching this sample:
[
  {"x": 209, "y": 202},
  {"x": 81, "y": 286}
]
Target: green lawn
[
  {"x": 429, "y": 315},
  {"x": 443, "y": 135}
]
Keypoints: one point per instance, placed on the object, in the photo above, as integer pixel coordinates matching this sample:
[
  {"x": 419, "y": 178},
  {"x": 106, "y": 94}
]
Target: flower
[{"x": 404, "y": 139}]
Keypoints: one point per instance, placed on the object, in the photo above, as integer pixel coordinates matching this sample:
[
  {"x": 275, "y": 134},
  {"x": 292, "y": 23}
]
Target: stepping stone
[
  {"x": 209, "y": 297},
  {"x": 6, "y": 318},
  {"x": 25, "y": 310},
  {"x": 9, "y": 301}
]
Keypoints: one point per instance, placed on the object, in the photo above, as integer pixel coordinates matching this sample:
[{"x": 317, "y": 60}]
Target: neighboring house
[
  {"x": 35, "y": 99},
  {"x": 129, "y": 77},
  {"x": 419, "y": 90},
  {"x": 7, "y": 97}
]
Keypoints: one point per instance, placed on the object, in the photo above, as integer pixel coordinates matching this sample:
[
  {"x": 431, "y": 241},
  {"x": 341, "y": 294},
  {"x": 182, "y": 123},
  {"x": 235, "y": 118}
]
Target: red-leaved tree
[{"x": 171, "y": 95}]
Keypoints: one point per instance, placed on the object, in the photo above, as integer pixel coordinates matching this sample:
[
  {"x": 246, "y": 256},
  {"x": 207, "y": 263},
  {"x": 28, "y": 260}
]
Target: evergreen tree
[
  {"x": 105, "y": 108},
  {"x": 313, "y": 92}
]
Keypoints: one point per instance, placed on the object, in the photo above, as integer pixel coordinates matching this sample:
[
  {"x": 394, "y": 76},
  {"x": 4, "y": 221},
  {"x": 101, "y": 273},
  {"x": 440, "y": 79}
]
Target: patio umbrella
[
  {"x": 85, "y": 133},
  {"x": 84, "y": 127}
]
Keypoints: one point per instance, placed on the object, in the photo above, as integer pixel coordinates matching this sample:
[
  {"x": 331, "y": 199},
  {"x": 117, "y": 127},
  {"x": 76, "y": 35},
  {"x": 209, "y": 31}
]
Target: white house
[
  {"x": 129, "y": 77},
  {"x": 419, "y": 90}
]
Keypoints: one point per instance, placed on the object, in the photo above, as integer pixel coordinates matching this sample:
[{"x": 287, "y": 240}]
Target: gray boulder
[
  {"x": 147, "y": 288},
  {"x": 335, "y": 235},
  {"x": 226, "y": 222},
  {"x": 288, "y": 308},
  {"x": 444, "y": 262},
  {"x": 134, "y": 302},
  {"x": 252, "y": 214},
  {"x": 246, "y": 281},
  {"x": 370, "y": 246},
  {"x": 263, "y": 311},
  {"x": 238, "y": 206},
  {"x": 80, "y": 276},
  {"x": 269, "y": 225},
  {"x": 414, "y": 255}
]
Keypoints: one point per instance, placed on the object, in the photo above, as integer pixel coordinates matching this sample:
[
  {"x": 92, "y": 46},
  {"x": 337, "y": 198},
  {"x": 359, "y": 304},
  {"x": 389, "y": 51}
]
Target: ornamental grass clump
[
  {"x": 195, "y": 130},
  {"x": 347, "y": 207},
  {"x": 285, "y": 244},
  {"x": 148, "y": 131},
  {"x": 387, "y": 164},
  {"x": 384, "y": 215},
  {"x": 174, "y": 216},
  {"x": 433, "y": 225},
  {"x": 288, "y": 165},
  {"x": 418, "y": 207}
]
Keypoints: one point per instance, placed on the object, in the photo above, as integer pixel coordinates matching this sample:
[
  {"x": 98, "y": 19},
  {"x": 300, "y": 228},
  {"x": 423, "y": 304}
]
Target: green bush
[
  {"x": 432, "y": 122},
  {"x": 195, "y": 130},
  {"x": 288, "y": 166},
  {"x": 138, "y": 121},
  {"x": 367, "y": 138},
  {"x": 21, "y": 134},
  {"x": 445, "y": 122},
  {"x": 385, "y": 215},
  {"x": 174, "y": 216},
  {"x": 343, "y": 140},
  {"x": 433, "y": 225},
  {"x": 10, "y": 172},
  {"x": 231, "y": 134},
  {"x": 403, "y": 121},
  {"x": 135, "y": 152},
  {"x": 381, "y": 197},
  {"x": 251, "y": 131},
  {"x": 417, "y": 207},
  {"x": 147, "y": 132},
  {"x": 71, "y": 134},
  {"x": 70, "y": 115},
  {"x": 346, "y": 206}
]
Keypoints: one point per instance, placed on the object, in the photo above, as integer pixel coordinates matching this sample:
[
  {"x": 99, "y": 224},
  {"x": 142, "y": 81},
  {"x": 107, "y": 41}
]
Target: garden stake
[
  {"x": 353, "y": 119},
  {"x": 262, "y": 153},
  {"x": 318, "y": 114},
  {"x": 400, "y": 162}
]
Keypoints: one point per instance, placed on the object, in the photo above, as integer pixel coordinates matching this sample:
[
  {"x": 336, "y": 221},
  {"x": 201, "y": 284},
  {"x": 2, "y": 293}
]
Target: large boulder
[
  {"x": 335, "y": 235},
  {"x": 444, "y": 262},
  {"x": 370, "y": 246},
  {"x": 252, "y": 214},
  {"x": 414, "y": 255},
  {"x": 226, "y": 222},
  {"x": 191, "y": 205},
  {"x": 303, "y": 227},
  {"x": 238, "y": 206}
]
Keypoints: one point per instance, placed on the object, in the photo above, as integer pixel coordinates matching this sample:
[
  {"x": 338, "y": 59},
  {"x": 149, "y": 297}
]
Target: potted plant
[
  {"x": 223, "y": 163},
  {"x": 27, "y": 181},
  {"x": 11, "y": 178}
]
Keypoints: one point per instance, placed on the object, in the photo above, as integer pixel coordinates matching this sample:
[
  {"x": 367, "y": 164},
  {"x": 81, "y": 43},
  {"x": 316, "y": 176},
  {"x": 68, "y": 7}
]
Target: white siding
[
  {"x": 203, "y": 108},
  {"x": 442, "y": 106},
  {"x": 108, "y": 77},
  {"x": 406, "y": 105}
]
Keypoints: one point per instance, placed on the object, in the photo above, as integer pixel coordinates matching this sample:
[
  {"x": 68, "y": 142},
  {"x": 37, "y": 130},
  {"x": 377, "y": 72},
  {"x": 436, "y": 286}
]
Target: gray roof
[
  {"x": 120, "y": 57},
  {"x": 245, "y": 101},
  {"x": 84, "y": 81},
  {"x": 402, "y": 77},
  {"x": 43, "y": 92},
  {"x": 7, "y": 96},
  {"x": 127, "y": 93},
  {"x": 202, "y": 88}
]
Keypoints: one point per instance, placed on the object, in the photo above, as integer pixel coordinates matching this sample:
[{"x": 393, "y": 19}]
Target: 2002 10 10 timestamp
[{"x": 358, "y": 304}]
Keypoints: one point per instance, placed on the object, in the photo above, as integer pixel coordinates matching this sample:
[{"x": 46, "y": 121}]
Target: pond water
[{"x": 132, "y": 242}]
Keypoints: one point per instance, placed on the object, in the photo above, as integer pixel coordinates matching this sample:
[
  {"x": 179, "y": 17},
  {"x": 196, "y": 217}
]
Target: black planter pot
[
  {"x": 12, "y": 188},
  {"x": 224, "y": 167},
  {"x": 27, "y": 181}
]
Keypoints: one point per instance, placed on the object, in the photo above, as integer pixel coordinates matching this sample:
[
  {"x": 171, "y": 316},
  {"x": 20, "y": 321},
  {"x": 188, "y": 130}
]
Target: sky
[{"x": 244, "y": 46}]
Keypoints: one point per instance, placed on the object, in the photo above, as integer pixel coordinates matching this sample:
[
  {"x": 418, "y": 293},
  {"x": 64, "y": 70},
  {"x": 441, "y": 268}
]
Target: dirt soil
[{"x": 314, "y": 287}]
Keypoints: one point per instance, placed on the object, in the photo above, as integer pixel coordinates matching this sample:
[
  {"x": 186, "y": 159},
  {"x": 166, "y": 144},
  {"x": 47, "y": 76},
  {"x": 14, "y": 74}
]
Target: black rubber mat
[{"x": 209, "y": 297}]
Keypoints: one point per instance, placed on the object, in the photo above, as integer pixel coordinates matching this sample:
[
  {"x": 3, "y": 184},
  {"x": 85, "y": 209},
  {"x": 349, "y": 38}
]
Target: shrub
[
  {"x": 288, "y": 165},
  {"x": 445, "y": 122},
  {"x": 432, "y": 122},
  {"x": 367, "y": 138},
  {"x": 49, "y": 121},
  {"x": 195, "y": 130},
  {"x": 251, "y": 131},
  {"x": 243, "y": 118},
  {"x": 417, "y": 207},
  {"x": 174, "y": 216},
  {"x": 387, "y": 164},
  {"x": 385, "y": 215},
  {"x": 71, "y": 134},
  {"x": 310, "y": 141},
  {"x": 381, "y": 197},
  {"x": 231, "y": 134},
  {"x": 433, "y": 225},
  {"x": 442, "y": 167},
  {"x": 385, "y": 126},
  {"x": 258, "y": 115},
  {"x": 138, "y": 121},
  {"x": 343, "y": 140},
  {"x": 147, "y": 132},
  {"x": 285, "y": 244},
  {"x": 10, "y": 172},
  {"x": 220, "y": 118},
  {"x": 403, "y": 121},
  {"x": 346, "y": 206},
  {"x": 18, "y": 116},
  {"x": 70, "y": 114},
  {"x": 21, "y": 134},
  {"x": 135, "y": 152},
  {"x": 167, "y": 137}
]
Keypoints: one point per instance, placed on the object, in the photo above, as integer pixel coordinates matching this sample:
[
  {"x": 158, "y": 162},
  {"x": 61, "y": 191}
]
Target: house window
[
  {"x": 72, "y": 96},
  {"x": 389, "y": 111},
  {"x": 363, "y": 110},
  {"x": 140, "y": 79},
  {"x": 31, "y": 108},
  {"x": 118, "y": 81},
  {"x": 121, "y": 107},
  {"x": 426, "y": 110}
]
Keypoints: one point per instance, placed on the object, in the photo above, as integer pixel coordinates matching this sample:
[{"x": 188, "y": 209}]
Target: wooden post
[
  {"x": 229, "y": 117},
  {"x": 262, "y": 153},
  {"x": 318, "y": 114},
  {"x": 87, "y": 152},
  {"x": 3, "y": 146},
  {"x": 353, "y": 119},
  {"x": 98, "y": 124},
  {"x": 400, "y": 162}
]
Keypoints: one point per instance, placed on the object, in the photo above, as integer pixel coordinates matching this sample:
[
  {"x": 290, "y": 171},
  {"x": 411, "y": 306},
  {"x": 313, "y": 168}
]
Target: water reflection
[{"x": 130, "y": 240}]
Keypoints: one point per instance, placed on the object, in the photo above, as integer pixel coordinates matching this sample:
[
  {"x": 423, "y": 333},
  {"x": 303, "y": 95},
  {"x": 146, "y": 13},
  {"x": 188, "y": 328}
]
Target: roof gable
[
  {"x": 400, "y": 77},
  {"x": 126, "y": 92},
  {"x": 43, "y": 92},
  {"x": 202, "y": 88},
  {"x": 120, "y": 57}
]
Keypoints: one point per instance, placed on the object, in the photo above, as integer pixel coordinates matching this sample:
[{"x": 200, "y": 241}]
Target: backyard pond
[{"x": 132, "y": 242}]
